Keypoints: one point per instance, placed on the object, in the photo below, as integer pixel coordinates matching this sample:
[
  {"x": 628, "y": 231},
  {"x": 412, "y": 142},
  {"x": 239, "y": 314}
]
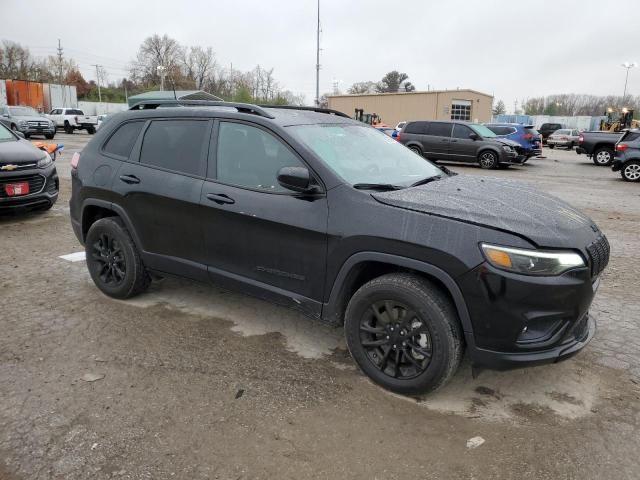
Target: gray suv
[
  {"x": 26, "y": 120},
  {"x": 458, "y": 141}
]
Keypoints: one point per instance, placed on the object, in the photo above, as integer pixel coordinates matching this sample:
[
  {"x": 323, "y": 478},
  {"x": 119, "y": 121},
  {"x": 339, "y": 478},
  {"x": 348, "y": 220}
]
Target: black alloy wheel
[
  {"x": 108, "y": 254},
  {"x": 396, "y": 340}
]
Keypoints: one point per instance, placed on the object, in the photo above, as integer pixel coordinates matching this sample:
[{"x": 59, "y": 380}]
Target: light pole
[
  {"x": 317, "y": 101},
  {"x": 628, "y": 66},
  {"x": 161, "y": 69}
]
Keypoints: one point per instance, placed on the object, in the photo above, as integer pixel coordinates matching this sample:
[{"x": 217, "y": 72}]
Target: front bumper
[
  {"x": 44, "y": 186},
  {"x": 511, "y": 158},
  {"x": 560, "y": 143},
  {"x": 521, "y": 320},
  {"x": 509, "y": 360}
]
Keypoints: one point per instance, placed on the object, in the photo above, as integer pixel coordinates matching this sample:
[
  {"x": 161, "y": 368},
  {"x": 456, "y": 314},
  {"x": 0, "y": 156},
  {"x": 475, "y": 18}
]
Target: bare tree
[
  {"x": 158, "y": 51},
  {"x": 362, "y": 87},
  {"x": 199, "y": 63}
]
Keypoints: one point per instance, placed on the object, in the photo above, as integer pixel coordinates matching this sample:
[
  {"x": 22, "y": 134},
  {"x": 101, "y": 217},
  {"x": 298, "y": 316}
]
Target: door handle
[
  {"x": 220, "y": 198},
  {"x": 444, "y": 139},
  {"x": 130, "y": 179},
  {"x": 454, "y": 141}
]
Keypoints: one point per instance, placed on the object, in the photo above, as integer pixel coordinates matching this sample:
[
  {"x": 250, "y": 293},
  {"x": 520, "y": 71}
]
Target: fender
[
  {"x": 117, "y": 209},
  {"x": 330, "y": 309}
]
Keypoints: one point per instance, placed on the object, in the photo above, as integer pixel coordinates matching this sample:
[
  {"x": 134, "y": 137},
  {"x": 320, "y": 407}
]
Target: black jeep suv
[{"x": 312, "y": 210}]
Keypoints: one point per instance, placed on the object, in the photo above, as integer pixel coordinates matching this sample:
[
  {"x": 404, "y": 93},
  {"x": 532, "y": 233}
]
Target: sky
[{"x": 510, "y": 49}]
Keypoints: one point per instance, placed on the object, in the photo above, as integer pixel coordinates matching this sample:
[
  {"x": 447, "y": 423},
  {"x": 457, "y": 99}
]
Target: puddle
[
  {"x": 566, "y": 390},
  {"x": 250, "y": 316}
]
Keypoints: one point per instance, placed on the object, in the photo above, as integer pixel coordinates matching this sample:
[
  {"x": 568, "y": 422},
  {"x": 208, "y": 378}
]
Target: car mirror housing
[
  {"x": 296, "y": 179},
  {"x": 473, "y": 136}
]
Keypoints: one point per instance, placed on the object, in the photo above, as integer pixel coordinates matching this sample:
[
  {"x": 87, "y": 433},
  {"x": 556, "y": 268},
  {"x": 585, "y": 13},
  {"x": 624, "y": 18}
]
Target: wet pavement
[{"x": 192, "y": 382}]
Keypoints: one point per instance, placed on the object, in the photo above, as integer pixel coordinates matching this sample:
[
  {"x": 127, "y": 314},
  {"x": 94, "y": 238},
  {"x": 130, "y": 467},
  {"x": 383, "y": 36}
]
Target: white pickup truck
[{"x": 71, "y": 119}]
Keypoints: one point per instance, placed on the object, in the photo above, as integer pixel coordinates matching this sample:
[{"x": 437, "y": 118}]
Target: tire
[
  {"x": 68, "y": 128},
  {"x": 631, "y": 171},
  {"x": 49, "y": 136},
  {"x": 91, "y": 130},
  {"x": 27, "y": 135},
  {"x": 415, "y": 149},
  {"x": 603, "y": 156},
  {"x": 488, "y": 159},
  {"x": 113, "y": 260},
  {"x": 429, "y": 346},
  {"x": 551, "y": 146},
  {"x": 570, "y": 147},
  {"x": 14, "y": 127}
]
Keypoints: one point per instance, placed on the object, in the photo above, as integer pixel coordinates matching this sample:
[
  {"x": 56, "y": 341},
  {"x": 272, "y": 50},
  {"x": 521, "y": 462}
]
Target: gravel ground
[{"x": 191, "y": 382}]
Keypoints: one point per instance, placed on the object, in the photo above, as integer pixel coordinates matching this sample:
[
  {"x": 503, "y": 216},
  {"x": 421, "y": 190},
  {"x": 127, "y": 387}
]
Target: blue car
[{"x": 526, "y": 135}]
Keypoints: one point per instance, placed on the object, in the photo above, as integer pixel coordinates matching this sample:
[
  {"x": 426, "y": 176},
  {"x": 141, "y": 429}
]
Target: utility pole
[
  {"x": 318, "y": 59},
  {"x": 126, "y": 96},
  {"x": 98, "y": 80}
]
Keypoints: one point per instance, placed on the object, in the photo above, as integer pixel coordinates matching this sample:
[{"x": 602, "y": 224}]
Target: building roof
[
  {"x": 170, "y": 95},
  {"x": 415, "y": 92}
]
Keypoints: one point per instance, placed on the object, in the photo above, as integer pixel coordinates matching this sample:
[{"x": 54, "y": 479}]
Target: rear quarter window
[
  {"x": 122, "y": 141},
  {"x": 419, "y": 128}
]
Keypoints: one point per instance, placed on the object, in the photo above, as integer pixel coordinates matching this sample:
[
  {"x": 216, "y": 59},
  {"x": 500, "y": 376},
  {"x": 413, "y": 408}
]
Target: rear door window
[
  {"x": 177, "y": 145},
  {"x": 440, "y": 129},
  {"x": 122, "y": 141}
]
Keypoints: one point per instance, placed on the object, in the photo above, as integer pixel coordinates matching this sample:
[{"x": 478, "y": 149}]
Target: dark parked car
[
  {"x": 27, "y": 120},
  {"x": 321, "y": 213},
  {"x": 547, "y": 129},
  {"x": 599, "y": 146},
  {"x": 459, "y": 141},
  {"x": 525, "y": 135},
  {"x": 28, "y": 177},
  {"x": 627, "y": 156}
]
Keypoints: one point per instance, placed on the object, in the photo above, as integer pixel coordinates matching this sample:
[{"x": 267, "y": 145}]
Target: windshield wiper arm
[
  {"x": 423, "y": 181},
  {"x": 377, "y": 186}
]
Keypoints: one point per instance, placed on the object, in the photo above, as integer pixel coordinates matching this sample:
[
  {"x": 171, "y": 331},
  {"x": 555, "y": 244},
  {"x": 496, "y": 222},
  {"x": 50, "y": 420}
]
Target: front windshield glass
[
  {"x": 6, "y": 135},
  {"x": 481, "y": 130},
  {"x": 23, "y": 112},
  {"x": 360, "y": 154}
]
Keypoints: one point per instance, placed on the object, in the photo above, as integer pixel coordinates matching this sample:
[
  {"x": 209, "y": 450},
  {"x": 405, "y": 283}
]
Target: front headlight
[
  {"x": 22, "y": 123},
  {"x": 531, "y": 262},
  {"x": 43, "y": 162},
  {"x": 507, "y": 148}
]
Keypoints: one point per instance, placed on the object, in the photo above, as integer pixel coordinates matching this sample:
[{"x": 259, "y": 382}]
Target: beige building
[{"x": 467, "y": 105}]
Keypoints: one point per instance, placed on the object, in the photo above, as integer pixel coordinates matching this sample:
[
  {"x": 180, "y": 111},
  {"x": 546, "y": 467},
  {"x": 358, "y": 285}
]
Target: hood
[
  {"x": 503, "y": 141},
  {"x": 19, "y": 152},
  {"x": 31, "y": 118},
  {"x": 507, "y": 205}
]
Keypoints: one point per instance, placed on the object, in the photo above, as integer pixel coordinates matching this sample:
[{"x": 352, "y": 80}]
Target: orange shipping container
[{"x": 22, "y": 92}]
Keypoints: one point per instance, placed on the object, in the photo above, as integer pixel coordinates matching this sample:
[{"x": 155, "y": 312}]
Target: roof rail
[
  {"x": 241, "y": 107},
  {"x": 308, "y": 109}
]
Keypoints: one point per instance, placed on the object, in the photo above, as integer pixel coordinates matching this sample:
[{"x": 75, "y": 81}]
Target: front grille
[
  {"x": 599, "y": 255},
  {"x": 34, "y": 123},
  {"x": 36, "y": 184}
]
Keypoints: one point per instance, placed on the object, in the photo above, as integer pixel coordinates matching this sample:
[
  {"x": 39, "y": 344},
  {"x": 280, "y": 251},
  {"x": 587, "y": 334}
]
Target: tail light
[
  {"x": 398, "y": 136},
  {"x": 528, "y": 136},
  {"x": 75, "y": 160},
  {"x": 581, "y": 139},
  {"x": 621, "y": 147}
]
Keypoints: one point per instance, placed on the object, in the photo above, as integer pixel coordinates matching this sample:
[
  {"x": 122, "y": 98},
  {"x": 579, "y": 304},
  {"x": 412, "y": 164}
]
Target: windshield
[
  {"x": 360, "y": 154},
  {"x": 6, "y": 135},
  {"x": 481, "y": 130},
  {"x": 23, "y": 112}
]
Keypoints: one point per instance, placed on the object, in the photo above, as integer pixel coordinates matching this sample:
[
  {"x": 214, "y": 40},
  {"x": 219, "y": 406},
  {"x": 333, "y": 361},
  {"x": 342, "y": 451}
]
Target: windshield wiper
[
  {"x": 377, "y": 186},
  {"x": 423, "y": 181}
]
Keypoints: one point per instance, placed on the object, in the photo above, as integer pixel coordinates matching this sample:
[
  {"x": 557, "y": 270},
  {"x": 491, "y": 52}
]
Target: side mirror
[
  {"x": 296, "y": 179},
  {"x": 473, "y": 136},
  {"x": 5, "y": 115},
  {"x": 20, "y": 134}
]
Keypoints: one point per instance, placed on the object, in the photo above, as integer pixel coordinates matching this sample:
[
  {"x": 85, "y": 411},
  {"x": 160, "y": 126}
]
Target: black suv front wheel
[
  {"x": 113, "y": 260},
  {"x": 404, "y": 333},
  {"x": 488, "y": 159}
]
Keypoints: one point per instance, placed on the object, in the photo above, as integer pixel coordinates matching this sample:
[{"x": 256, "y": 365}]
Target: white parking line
[{"x": 73, "y": 257}]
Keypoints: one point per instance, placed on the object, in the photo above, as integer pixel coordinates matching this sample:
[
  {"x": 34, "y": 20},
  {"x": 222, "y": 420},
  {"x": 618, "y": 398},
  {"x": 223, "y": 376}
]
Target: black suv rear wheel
[
  {"x": 404, "y": 333},
  {"x": 113, "y": 260}
]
